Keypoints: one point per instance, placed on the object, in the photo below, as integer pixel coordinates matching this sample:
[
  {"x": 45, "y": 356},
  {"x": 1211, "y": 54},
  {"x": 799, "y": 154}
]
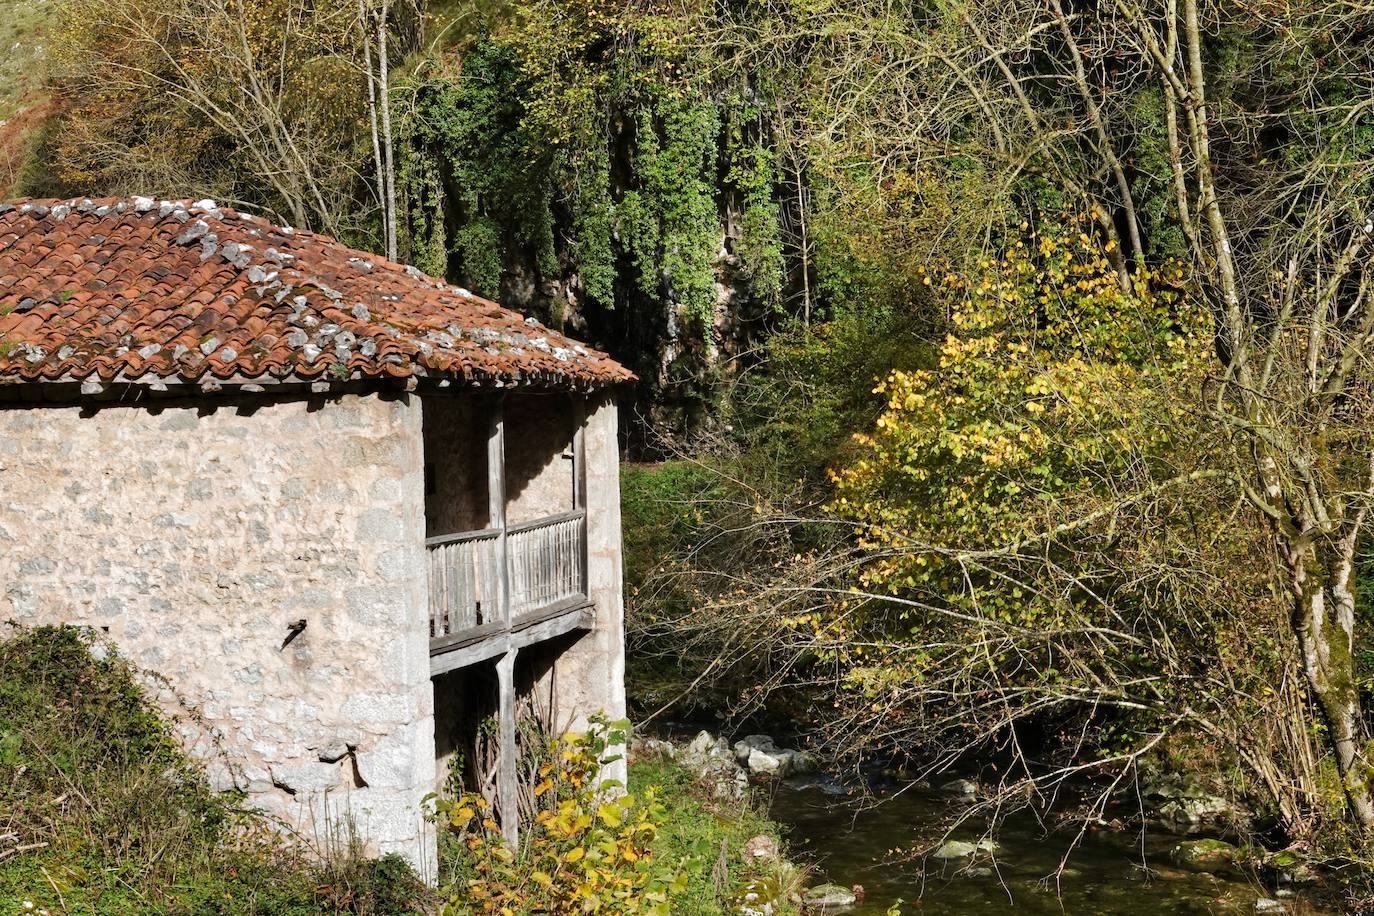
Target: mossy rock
[
  {"x": 827, "y": 897},
  {"x": 1210, "y": 856}
]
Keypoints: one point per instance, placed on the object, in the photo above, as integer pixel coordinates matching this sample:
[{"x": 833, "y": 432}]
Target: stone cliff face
[{"x": 682, "y": 366}]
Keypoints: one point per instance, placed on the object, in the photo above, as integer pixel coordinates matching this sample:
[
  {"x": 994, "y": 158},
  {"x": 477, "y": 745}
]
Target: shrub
[
  {"x": 102, "y": 812},
  {"x": 589, "y": 848},
  {"x": 705, "y": 836}
]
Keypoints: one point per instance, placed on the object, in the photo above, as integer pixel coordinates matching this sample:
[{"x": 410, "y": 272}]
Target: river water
[{"x": 849, "y": 844}]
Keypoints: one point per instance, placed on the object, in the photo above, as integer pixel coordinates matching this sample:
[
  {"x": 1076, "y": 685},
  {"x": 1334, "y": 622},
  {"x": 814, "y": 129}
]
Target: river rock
[
  {"x": 761, "y": 847},
  {"x": 1184, "y": 800},
  {"x": 1210, "y": 856},
  {"x": 960, "y": 849},
  {"x": 648, "y": 748},
  {"x": 710, "y": 760},
  {"x": 705, "y": 745},
  {"x": 750, "y": 743},
  {"x": 1269, "y": 905},
  {"x": 963, "y": 787},
  {"x": 774, "y": 763},
  {"x": 1291, "y": 868},
  {"x": 761, "y": 754},
  {"x": 760, "y": 897},
  {"x": 828, "y": 896}
]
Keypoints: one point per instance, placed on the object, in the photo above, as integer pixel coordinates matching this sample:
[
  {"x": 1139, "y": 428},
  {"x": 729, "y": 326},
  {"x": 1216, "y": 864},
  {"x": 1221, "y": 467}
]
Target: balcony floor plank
[{"x": 491, "y": 640}]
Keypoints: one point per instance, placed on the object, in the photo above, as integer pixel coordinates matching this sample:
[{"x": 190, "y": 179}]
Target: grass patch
[
  {"x": 102, "y": 813},
  {"x": 22, "y": 44},
  {"x": 705, "y": 837}
]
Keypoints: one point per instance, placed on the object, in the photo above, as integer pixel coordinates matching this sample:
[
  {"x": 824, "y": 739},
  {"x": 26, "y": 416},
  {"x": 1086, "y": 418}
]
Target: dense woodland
[{"x": 1005, "y": 367}]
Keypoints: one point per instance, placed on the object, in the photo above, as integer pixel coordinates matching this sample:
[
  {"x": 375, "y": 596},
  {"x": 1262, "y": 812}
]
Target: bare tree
[
  {"x": 280, "y": 89},
  {"x": 1266, "y": 191}
]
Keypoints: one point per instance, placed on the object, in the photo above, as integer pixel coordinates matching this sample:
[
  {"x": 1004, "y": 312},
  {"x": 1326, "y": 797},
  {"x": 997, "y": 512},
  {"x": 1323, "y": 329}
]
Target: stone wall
[
  {"x": 194, "y": 534},
  {"x": 456, "y": 463},
  {"x": 539, "y": 466}
]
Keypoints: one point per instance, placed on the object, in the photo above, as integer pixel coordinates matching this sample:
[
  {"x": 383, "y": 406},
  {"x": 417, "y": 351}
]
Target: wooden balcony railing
[{"x": 546, "y": 565}]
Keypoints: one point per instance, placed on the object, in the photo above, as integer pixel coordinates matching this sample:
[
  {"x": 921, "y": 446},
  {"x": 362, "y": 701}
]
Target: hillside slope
[{"x": 23, "y": 106}]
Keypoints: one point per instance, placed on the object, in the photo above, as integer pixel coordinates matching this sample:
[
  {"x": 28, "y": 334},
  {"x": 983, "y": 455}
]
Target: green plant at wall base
[
  {"x": 588, "y": 850},
  {"x": 102, "y": 812},
  {"x": 699, "y": 827}
]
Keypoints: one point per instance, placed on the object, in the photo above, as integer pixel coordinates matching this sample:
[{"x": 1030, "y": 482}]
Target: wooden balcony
[{"x": 501, "y": 588}]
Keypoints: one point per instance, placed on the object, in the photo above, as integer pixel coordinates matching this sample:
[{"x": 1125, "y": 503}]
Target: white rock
[{"x": 964, "y": 787}]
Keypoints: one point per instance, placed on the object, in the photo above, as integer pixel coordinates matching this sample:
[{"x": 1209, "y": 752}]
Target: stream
[{"x": 848, "y": 844}]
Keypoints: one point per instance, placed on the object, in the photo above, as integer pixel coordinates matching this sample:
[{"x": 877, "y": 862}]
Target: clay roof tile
[{"x": 88, "y": 293}]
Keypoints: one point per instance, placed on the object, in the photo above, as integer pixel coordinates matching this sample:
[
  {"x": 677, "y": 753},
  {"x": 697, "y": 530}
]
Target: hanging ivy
[
  {"x": 544, "y": 144},
  {"x": 753, "y": 174}
]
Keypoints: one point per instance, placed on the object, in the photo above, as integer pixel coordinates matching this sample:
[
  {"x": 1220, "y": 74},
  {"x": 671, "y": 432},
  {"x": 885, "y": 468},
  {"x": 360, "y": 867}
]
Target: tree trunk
[
  {"x": 1320, "y": 569},
  {"x": 384, "y": 78},
  {"x": 382, "y": 200}
]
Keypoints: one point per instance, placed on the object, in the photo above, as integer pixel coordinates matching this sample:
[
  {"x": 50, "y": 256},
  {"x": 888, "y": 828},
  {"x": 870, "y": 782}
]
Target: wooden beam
[
  {"x": 579, "y": 452},
  {"x": 496, "y": 500},
  {"x": 483, "y": 643},
  {"x": 580, "y": 483},
  {"x": 507, "y": 786}
]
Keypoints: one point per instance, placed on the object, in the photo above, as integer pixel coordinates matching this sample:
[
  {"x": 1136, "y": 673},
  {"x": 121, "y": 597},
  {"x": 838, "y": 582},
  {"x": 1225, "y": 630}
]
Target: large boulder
[
  {"x": 703, "y": 747},
  {"x": 1185, "y": 801},
  {"x": 762, "y": 847},
  {"x": 709, "y": 758},
  {"x": 750, "y": 743}
]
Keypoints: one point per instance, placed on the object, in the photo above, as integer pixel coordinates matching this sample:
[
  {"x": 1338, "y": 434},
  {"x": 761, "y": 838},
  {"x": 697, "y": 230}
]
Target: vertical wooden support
[
  {"x": 507, "y": 790},
  {"x": 496, "y": 501},
  {"x": 580, "y": 482}
]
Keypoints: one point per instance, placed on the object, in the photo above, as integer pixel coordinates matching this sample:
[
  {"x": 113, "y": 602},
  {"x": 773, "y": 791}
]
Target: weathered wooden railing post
[
  {"x": 580, "y": 484},
  {"x": 507, "y": 788}
]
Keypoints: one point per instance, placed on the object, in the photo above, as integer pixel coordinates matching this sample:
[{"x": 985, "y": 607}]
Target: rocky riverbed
[{"x": 885, "y": 841}]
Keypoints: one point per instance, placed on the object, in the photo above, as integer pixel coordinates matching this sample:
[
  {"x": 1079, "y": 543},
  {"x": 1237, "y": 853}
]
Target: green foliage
[
  {"x": 669, "y": 218},
  {"x": 663, "y": 504},
  {"x": 752, "y": 173},
  {"x": 567, "y": 137},
  {"x": 796, "y": 411},
  {"x": 117, "y": 819},
  {"x": 21, "y": 34},
  {"x": 1053, "y": 384},
  {"x": 699, "y": 831}
]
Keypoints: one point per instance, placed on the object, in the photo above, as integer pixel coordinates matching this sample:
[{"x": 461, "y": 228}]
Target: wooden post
[
  {"x": 507, "y": 789},
  {"x": 580, "y": 482},
  {"x": 496, "y": 501}
]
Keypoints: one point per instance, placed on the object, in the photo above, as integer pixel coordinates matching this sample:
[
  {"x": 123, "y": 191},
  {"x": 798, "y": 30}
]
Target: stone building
[{"x": 347, "y": 510}]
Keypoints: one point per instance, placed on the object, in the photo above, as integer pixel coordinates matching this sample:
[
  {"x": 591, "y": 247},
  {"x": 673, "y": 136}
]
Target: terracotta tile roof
[{"x": 139, "y": 289}]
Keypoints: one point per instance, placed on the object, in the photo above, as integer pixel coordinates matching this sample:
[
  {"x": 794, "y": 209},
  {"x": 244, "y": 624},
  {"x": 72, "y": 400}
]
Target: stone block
[{"x": 368, "y": 710}]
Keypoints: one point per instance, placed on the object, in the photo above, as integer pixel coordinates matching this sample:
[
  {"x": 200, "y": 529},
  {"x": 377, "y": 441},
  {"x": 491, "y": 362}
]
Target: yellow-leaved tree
[{"x": 1043, "y": 539}]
